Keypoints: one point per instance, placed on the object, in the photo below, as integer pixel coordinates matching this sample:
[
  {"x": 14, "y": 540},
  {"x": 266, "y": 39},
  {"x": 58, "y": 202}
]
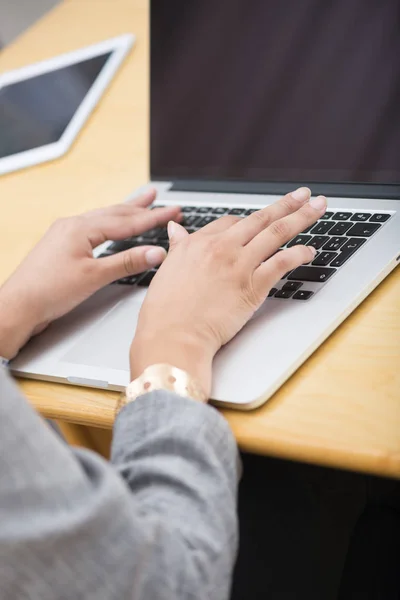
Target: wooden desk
[{"x": 342, "y": 408}]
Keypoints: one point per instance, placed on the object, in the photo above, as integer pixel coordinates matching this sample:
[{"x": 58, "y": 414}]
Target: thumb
[
  {"x": 176, "y": 233},
  {"x": 129, "y": 262}
]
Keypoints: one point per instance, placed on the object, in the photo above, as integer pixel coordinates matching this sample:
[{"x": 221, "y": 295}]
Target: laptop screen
[{"x": 276, "y": 90}]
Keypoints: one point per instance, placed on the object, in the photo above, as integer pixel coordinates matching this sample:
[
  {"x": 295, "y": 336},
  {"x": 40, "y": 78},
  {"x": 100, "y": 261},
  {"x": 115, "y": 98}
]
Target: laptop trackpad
[{"x": 106, "y": 344}]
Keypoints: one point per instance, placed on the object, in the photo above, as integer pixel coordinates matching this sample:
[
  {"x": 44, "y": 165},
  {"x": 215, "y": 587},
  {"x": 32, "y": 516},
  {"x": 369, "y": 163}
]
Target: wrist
[
  {"x": 16, "y": 324},
  {"x": 177, "y": 350}
]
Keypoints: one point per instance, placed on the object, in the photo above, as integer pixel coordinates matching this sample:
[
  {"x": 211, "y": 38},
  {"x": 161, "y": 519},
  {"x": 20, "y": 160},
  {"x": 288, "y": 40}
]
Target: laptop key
[
  {"x": 322, "y": 227},
  {"x": 341, "y": 259},
  {"x": 201, "y": 210},
  {"x": 347, "y": 251},
  {"x": 272, "y": 292},
  {"x": 303, "y": 295},
  {"x": 340, "y": 228},
  {"x": 324, "y": 258},
  {"x": 342, "y": 216},
  {"x": 128, "y": 280},
  {"x": 163, "y": 243},
  {"x": 191, "y": 220},
  {"x": 219, "y": 210},
  {"x": 134, "y": 242},
  {"x": 188, "y": 209},
  {"x": 151, "y": 233},
  {"x": 334, "y": 243},
  {"x": 292, "y": 285},
  {"x": 327, "y": 215},
  {"x": 237, "y": 211},
  {"x": 307, "y": 229},
  {"x": 318, "y": 241},
  {"x": 284, "y": 293},
  {"x": 299, "y": 240},
  {"x": 147, "y": 279},
  {"x": 162, "y": 236},
  {"x": 250, "y": 211},
  {"x": 120, "y": 246},
  {"x": 353, "y": 244},
  {"x": 360, "y": 217},
  {"x": 311, "y": 260},
  {"x": 318, "y": 274},
  {"x": 363, "y": 229},
  {"x": 205, "y": 221},
  {"x": 379, "y": 218},
  {"x": 154, "y": 234}
]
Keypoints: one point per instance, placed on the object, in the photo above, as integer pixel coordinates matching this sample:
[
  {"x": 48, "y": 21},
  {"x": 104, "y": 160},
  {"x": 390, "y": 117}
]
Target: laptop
[{"x": 249, "y": 102}]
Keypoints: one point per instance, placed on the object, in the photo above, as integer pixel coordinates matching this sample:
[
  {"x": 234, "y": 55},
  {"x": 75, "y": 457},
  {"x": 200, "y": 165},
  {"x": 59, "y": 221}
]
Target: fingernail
[
  {"x": 171, "y": 229},
  {"x": 302, "y": 193},
  {"x": 155, "y": 256},
  {"x": 319, "y": 203},
  {"x": 150, "y": 194},
  {"x": 313, "y": 250}
]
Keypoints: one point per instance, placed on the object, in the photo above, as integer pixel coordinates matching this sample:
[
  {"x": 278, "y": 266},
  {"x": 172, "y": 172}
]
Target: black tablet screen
[{"x": 36, "y": 111}]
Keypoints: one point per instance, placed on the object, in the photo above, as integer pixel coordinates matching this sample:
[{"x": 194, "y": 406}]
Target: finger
[
  {"x": 127, "y": 209},
  {"x": 176, "y": 233},
  {"x": 281, "y": 231},
  {"x": 124, "y": 208},
  {"x": 249, "y": 227},
  {"x": 144, "y": 200},
  {"x": 120, "y": 227},
  {"x": 273, "y": 269},
  {"x": 221, "y": 224},
  {"x": 116, "y": 210},
  {"x": 130, "y": 262}
]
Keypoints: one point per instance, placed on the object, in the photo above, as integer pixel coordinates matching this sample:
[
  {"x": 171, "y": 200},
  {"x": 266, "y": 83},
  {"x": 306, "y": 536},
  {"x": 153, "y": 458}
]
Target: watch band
[{"x": 162, "y": 377}]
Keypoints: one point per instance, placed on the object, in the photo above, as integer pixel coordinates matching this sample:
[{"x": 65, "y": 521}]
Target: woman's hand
[
  {"x": 61, "y": 272},
  {"x": 215, "y": 279}
]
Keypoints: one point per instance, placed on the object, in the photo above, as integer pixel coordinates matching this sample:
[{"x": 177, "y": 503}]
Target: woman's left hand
[{"x": 61, "y": 272}]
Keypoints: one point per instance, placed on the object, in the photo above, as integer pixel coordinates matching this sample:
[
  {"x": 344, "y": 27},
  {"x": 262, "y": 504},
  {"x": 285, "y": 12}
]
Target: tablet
[{"x": 43, "y": 106}]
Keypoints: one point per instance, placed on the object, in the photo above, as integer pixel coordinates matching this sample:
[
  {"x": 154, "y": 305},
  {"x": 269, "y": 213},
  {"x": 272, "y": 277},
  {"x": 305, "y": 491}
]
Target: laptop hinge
[{"x": 345, "y": 190}]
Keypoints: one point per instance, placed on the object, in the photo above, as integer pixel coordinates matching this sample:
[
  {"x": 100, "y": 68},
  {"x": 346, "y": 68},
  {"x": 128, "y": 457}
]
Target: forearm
[
  {"x": 180, "y": 460},
  {"x": 71, "y": 525}
]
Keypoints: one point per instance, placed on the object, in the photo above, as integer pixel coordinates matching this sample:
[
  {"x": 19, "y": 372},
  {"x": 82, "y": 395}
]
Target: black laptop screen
[{"x": 269, "y": 90}]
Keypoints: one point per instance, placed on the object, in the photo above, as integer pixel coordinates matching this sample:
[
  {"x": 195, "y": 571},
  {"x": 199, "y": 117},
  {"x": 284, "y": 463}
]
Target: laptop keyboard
[{"x": 337, "y": 236}]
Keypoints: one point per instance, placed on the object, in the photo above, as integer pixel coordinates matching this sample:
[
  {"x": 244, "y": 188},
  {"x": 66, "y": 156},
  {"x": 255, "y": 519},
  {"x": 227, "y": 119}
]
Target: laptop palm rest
[{"x": 106, "y": 344}]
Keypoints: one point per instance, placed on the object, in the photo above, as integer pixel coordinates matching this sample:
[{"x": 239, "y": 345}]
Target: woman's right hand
[{"x": 213, "y": 281}]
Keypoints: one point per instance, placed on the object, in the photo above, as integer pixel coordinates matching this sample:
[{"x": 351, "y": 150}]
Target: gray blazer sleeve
[{"x": 159, "y": 523}]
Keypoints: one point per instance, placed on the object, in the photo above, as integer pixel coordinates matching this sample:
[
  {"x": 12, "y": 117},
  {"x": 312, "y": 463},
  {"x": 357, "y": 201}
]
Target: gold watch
[{"x": 162, "y": 377}]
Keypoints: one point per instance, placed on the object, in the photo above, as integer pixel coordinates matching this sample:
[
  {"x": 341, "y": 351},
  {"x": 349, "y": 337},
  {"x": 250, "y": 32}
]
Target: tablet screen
[{"x": 35, "y": 112}]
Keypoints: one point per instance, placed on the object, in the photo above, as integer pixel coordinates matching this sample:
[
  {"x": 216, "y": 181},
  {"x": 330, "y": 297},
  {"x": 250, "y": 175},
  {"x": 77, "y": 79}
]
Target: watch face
[{"x": 166, "y": 378}]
